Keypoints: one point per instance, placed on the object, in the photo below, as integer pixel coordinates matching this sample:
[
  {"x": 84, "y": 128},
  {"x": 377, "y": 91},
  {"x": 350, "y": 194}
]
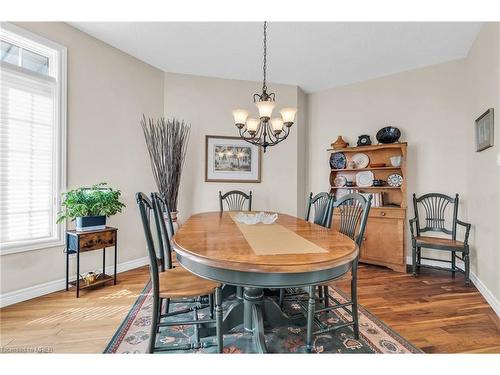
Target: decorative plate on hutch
[
  {"x": 395, "y": 180},
  {"x": 364, "y": 179},
  {"x": 338, "y": 160},
  {"x": 360, "y": 160},
  {"x": 339, "y": 181}
]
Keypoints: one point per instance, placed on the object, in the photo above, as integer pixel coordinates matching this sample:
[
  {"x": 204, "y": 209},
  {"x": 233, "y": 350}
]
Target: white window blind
[{"x": 30, "y": 158}]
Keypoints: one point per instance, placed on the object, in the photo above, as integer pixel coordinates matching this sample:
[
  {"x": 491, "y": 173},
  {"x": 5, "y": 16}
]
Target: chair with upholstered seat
[
  {"x": 235, "y": 200},
  {"x": 440, "y": 215},
  {"x": 176, "y": 283}
]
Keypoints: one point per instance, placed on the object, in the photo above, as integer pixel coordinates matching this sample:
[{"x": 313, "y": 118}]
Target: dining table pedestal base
[{"x": 252, "y": 311}]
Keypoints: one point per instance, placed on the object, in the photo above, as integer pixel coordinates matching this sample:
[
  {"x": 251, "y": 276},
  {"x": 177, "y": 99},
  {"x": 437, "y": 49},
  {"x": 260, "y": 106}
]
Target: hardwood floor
[{"x": 434, "y": 312}]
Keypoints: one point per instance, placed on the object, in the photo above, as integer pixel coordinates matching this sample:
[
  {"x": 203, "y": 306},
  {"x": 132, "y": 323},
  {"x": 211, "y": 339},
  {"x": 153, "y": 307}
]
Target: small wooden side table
[{"x": 80, "y": 242}]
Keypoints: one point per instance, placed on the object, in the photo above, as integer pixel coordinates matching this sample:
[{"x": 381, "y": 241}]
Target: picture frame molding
[{"x": 259, "y": 171}]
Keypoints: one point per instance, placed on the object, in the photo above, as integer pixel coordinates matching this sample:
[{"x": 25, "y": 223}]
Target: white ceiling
[{"x": 312, "y": 55}]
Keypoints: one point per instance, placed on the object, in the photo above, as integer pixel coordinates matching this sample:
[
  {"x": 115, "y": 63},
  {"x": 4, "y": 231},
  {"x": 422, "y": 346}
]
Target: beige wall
[
  {"x": 207, "y": 104},
  {"x": 483, "y": 178},
  {"x": 435, "y": 108},
  {"x": 108, "y": 91}
]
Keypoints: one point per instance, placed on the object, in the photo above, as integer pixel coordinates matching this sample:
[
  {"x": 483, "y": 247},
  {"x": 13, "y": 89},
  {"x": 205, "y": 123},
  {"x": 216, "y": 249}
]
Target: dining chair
[
  {"x": 164, "y": 234},
  {"x": 321, "y": 203},
  {"x": 353, "y": 210},
  {"x": 176, "y": 283},
  {"x": 440, "y": 215},
  {"x": 235, "y": 200}
]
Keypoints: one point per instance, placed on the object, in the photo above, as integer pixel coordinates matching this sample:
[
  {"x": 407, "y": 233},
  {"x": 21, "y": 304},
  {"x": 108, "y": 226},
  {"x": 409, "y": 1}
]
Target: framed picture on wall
[
  {"x": 231, "y": 159},
  {"x": 484, "y": 131}
]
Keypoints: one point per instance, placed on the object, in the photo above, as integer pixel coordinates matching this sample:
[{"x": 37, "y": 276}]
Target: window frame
[{"x": 57, "y": 53}]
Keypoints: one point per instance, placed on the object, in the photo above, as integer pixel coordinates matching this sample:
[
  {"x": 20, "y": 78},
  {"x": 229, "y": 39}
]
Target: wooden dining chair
[
  {"x": 353, "y": 210},
  {"x": 235, "y": 200},
  {"x": 176, "y": 283},
  {"x": 322, "y": 205},
  {"x": 440, "y": 214}
]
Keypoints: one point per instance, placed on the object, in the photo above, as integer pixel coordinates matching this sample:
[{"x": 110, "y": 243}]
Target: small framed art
[
  {"x": 231, "y": 159},
  {"x": 484, "y": 130}
]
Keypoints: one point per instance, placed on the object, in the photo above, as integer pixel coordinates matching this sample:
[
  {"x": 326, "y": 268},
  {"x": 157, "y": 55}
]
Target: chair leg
[
  {"x": 453, "y": 264},
  {"x": 326, "y": 296},
  {"x": 419, "y": 259},
  {"x": 467, "y": 269},
  {"x": 310, "y": 318},
  {"x": 282, "y": 298},
  {"x": 354, "y": 300},
  {"x": 239, "y": 292},
  {"x": 218, "y": 319},
  {"x": 167, "y": 305},
  {"x": 320, "y": 292},
  {"x": 154, "y": 324},
  {"x": 414, "y": 259},
  {"x": 211, "y": 303}
]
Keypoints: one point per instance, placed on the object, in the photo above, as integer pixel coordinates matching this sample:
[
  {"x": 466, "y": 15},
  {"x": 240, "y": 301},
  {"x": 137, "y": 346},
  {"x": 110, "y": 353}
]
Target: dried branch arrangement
[{"x": 167, "y": 142}]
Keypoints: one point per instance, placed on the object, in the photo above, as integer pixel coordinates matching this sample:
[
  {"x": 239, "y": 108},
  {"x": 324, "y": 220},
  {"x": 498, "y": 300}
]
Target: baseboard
[
  {"x": 25, "y": 294},
  {"x": 485, "y": 292}
]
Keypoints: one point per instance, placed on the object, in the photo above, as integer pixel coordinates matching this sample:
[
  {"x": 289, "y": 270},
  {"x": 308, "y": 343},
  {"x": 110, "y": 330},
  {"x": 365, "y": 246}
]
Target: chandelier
[{"x": 265, "y": 131}]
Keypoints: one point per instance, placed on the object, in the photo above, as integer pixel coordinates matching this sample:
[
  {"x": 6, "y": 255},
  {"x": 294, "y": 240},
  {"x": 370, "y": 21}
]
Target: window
[{"x": 32, "y": 139}]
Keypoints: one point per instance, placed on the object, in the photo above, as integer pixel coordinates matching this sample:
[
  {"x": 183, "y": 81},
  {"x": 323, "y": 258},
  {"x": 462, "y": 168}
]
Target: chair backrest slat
[
  {"x": 436, "y": 208},
  {"x": 145, "y": 210},
  {"x": 235, "y": 200},
  {"x": 353, "y": 210},
  {"x": 322, "y": 203},
  {"x": 162, "y": 214}
]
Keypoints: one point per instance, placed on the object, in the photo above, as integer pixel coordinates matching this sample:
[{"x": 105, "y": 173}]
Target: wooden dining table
[{"x": 290, "y": 253}]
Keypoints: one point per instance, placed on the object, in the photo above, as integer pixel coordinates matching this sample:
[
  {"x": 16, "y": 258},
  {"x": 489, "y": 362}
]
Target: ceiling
[{"x": 312, "y": 55}]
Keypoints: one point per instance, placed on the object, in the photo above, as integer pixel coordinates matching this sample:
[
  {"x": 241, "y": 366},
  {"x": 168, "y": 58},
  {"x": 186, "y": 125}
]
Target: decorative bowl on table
[
  {"x": 259, "y": 217},
  {"x": 389, "y": 134}
]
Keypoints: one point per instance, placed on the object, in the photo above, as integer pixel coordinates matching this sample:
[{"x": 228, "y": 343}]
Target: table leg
[
  {"x": 116, "y": 256},
  {"x": 103, "y": 261},
  {"x": 67, "y": 268},
  {"x": 252, "y": 311},
  {"x": 78, "y": 273}
]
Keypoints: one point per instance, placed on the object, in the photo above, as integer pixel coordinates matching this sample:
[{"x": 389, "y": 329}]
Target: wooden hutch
[{"x": 384, "y": 240}]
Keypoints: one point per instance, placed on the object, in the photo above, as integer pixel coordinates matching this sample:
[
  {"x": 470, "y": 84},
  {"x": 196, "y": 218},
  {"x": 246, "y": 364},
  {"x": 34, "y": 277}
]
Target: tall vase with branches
[{"x": 167, "y": 141}]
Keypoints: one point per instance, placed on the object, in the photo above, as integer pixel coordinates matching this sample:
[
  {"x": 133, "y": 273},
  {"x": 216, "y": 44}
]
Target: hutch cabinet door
[{"x": 383, "y": 242}]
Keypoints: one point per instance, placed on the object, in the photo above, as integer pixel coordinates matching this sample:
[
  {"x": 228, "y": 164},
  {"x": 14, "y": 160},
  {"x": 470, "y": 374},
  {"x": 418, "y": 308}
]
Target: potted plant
[
  {"x": 167, "y": 142},
  {"x": 90, "y": 206}
]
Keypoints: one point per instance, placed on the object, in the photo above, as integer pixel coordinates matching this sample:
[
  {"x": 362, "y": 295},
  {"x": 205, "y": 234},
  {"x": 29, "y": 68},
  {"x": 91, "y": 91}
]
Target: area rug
[{"x": 375, "y": 336}]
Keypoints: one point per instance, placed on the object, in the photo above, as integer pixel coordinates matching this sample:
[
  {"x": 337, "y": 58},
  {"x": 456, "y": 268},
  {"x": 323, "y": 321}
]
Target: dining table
[{"x": 289, "y": 253}]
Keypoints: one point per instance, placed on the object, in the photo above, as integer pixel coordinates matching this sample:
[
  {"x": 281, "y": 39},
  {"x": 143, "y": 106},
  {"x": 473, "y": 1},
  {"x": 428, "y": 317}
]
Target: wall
[
  {"x": 108, "y": 91},
  {"x": 207, "y": 104},
  {"x": 435, "y": 108},
  {"x": 483, "y": 180},
  {"x": 427, "y": 105}
]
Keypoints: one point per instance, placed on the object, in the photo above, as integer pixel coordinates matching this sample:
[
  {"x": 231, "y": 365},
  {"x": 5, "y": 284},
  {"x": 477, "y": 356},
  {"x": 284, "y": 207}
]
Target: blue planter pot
[{"x": 87, "y": 223}]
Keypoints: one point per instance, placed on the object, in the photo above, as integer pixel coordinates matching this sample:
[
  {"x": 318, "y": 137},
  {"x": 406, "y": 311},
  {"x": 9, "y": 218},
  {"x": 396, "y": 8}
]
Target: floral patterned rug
[{"x": 375, "y": 336}]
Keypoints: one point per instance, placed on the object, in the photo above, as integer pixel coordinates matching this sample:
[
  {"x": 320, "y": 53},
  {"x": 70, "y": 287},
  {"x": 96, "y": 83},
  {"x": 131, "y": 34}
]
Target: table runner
[{"x": 275, "y": 239}]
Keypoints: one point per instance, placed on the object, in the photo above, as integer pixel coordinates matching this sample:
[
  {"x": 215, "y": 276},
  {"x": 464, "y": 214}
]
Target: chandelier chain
[{"x": 264, "y": 85}]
